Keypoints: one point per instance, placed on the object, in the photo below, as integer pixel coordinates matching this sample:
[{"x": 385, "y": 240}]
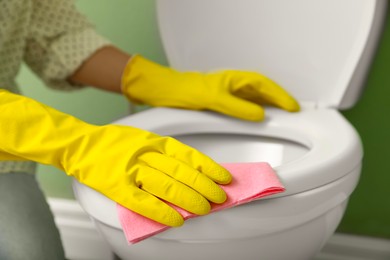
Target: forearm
[
  {"x": 103, "y": 69},
  {"x": 33, "y": 131}
]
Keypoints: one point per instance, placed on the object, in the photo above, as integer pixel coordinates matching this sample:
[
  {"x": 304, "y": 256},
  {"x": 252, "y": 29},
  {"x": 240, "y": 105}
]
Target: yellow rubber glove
[
  {"x": 235, "y": 93},
  {"x": 133, "y": 167}
]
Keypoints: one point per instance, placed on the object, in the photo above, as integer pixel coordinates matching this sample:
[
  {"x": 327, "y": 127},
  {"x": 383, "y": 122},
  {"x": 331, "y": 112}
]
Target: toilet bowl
[{"x": 316, "y": 153}]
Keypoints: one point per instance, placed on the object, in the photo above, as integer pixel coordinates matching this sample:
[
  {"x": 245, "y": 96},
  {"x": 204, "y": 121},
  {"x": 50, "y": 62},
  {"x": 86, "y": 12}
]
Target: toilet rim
[{"x": 334, "y": 147}]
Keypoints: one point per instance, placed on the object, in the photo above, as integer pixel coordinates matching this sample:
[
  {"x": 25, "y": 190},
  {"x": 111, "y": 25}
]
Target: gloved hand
[
  {"x": 133, "y": 167},
  {"x": 235, "y": 93}
]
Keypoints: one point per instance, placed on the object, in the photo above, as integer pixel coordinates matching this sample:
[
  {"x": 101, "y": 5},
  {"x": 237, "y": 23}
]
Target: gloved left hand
[{"x": 235, "y": 93}]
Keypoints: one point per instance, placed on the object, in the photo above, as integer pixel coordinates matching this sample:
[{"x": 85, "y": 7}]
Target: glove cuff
[{"x": 126, "y": 71}]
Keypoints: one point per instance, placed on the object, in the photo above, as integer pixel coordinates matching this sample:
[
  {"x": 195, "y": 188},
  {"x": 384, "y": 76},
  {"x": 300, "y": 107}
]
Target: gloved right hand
[{"x": 133, "y": 167}]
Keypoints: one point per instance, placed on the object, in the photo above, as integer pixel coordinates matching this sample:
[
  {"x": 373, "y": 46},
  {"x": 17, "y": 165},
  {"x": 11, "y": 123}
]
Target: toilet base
[
  {"x": 312, "y": 237},
  {"x": 306, "y": 222}
]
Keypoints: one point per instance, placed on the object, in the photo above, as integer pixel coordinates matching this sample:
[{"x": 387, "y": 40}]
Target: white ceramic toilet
[{"x": 320, "y": 51}]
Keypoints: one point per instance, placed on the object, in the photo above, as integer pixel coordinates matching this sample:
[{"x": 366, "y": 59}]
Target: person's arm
[
  {"x": 137, "y": 169},
  {"x": 66, "y": 52},
  {"x": 236, "y": 93},
  {"x": 103, "y": 69}
]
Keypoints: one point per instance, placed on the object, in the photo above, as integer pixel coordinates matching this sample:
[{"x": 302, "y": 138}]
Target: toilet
[{"x": 320, "y": 51}]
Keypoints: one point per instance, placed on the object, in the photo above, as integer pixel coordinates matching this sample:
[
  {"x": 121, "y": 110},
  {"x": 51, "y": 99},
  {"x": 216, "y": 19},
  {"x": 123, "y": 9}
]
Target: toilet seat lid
[{"x": 320, "y": 51}]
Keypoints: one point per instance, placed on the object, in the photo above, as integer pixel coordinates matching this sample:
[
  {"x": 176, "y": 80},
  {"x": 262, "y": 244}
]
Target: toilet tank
[{"x": 319, "y": 50}]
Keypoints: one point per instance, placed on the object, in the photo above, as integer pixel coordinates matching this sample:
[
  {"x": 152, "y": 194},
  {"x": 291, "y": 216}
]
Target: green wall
[
  {"x": 369, "y": 210},
  {"x": 131, "y": 25}
]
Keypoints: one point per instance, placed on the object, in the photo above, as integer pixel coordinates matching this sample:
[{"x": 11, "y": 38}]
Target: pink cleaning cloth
[{"x": 250, "y": 181}]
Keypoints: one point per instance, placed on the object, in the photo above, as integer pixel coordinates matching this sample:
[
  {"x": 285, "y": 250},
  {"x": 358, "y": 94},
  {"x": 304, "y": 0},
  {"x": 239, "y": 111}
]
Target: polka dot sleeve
[{"x": 60, "y": 39}]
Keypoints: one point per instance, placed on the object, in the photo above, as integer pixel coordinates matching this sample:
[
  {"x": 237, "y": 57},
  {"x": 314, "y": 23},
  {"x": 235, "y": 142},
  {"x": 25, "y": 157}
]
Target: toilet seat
[{"x": 328, "y": 145}]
